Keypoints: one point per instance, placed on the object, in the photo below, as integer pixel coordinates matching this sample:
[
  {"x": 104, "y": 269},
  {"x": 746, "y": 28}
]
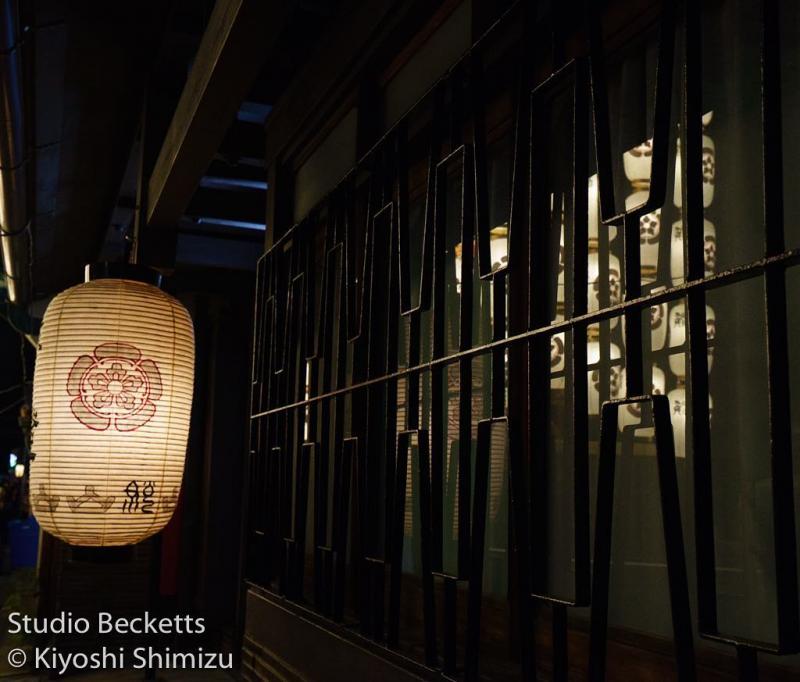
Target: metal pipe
[{"x": 14, "y": 235}]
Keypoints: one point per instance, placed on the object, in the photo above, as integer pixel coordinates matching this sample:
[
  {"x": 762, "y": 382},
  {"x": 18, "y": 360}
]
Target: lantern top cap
[{"x": 137, "y": 273}]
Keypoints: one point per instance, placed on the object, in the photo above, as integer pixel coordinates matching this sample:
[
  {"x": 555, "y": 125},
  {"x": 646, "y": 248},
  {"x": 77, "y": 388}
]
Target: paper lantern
[
  {"x": 594, "y": 284},
  {"x": 649, "y": 235},
  {"x": 594, "y": 215},
  {"x": 615, "y": 378},
  {"x": 498, "y": 252},
  {"x": 677, "y": 268},
  {"x": 658, "y": 323},
  {"x": 498, "y": 246},
  {"x": 678, "y": 410},
  {"x": 112, "y": 398},
  {"x": 677, "y": 337},
  {"x": 638, "y": 162},
  {"x": 709, "y": 166},
  {"x": 631, "y": 414},
  {"x": 557, "y": 363},
  {"x": 19, "y": 470}
]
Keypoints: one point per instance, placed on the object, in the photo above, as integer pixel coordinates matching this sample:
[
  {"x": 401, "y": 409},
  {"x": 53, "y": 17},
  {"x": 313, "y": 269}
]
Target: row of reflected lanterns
[{"x": 667, "y": 322}]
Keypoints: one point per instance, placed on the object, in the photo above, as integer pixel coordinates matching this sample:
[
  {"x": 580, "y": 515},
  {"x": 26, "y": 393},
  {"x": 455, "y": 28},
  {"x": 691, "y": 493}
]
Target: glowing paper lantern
[
  {"x": 112, "y": 399},
  {"x": 19, "y": 470},
  {"x": 498, "y": 246},
  {"x": 594, "y": 215}
]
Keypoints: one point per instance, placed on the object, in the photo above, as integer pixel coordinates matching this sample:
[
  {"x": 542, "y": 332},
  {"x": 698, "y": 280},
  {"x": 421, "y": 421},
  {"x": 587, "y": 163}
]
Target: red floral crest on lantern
[{"x": 115, "y": 387}]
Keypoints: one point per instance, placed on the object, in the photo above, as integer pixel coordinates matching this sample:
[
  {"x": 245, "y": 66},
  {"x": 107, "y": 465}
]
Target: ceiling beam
[
  {"x": 231, "y": 53},
  {"x": 249, "y": 206}
]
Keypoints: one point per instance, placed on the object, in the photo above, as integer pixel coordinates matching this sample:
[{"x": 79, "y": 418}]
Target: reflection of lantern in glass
[
  {"x": 19, "y": 470},
  {"x": 498, "y": 252},
  {"x": 631, "y": 413},
  {"x": 112, "y": 398},
  {"x": 709, "y": 248},
  {"x": 677, "y": 337},
  {"x": 676, "y": 253},
  {"x": 594, "y": 211},
  {"x": 638, "y": 162},
  {"x": 709, "y": 161},
  {"x": 676, "y": 262},
  {"x": 594, "y": 215},
  {"x": 557, "y": 359},
  {"x": 458, "y": 249},
  {"x": 614, "y": 283},
  {"x": 658, "y": 323},
  {"x": 659, "y": 387},
  {"x": 560, "y": 288},
  {"x": 498, "y": 246},
  {"x": 678, "y": 409},
  {"x": 649, "y": 231},
  {"x": 616, "y": 384}
]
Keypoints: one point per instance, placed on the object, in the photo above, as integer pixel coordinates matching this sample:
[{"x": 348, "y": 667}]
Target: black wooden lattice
[{"x": 359, "y": 468}]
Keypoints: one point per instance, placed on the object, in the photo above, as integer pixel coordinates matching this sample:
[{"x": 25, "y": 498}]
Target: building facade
[{"x": 523, "y": 348}]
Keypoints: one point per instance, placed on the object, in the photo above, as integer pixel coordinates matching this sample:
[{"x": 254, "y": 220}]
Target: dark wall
[{"x": 211, "y": 507}]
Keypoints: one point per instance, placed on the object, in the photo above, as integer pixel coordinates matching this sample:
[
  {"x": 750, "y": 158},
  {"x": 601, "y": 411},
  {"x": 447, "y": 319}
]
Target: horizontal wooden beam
[{"x": 230, "y": 56}]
